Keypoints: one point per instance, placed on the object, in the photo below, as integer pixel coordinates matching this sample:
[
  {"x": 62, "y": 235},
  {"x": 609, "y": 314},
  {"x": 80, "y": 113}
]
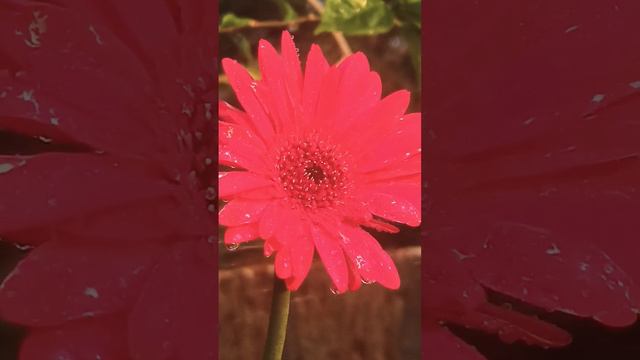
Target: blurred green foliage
[
  {"x": 286, "y": 10},
  {"x": 230, "y": 20},
  {"x": 351, "y": 17},
  {"x": 360, "y": 18},
  {"x": 356, "y": 17}
]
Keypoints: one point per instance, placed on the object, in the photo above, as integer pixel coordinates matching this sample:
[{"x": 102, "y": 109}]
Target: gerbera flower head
[{"x": 313, "y": 157}]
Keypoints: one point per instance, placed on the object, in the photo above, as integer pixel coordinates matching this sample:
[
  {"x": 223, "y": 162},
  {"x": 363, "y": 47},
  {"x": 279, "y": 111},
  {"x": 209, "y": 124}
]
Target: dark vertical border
[{"x": 215, "y": 61}]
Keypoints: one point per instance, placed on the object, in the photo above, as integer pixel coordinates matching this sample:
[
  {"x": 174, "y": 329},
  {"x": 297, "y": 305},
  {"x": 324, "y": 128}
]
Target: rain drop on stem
[{"x": 232, "y": 247}]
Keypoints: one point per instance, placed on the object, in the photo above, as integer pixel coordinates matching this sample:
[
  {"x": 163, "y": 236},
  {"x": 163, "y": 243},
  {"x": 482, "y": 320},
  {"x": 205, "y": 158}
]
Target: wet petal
[
  {"x": 237, "y": 182},
  {"x": 301, "y": 255},
  {"x": 283, "y": 267},
  {"x": 241, "y": 234},
  {"x": 103, "y": 338},
  {"x": 272, "y": 219},
  {"x": 183, "y": 323},
  {"x": 399, "y": 144},
  {"x": 440, "y": 344},
  {"x": 58, "y": 282},
  {"x": 542, "y": 265},
  {"x": 277, "y": 99},
  {"x": 332, "y": 257},
  {"x": 315, "y": 69},
  {"x": 239, "y": 212},
  {"x": 371, "y": 261},
  {"x": 241, "y": 155},
  {"x": 234, "y": 127},
  {"x": 293, "y": 75},
  {"x": 244, "y": 87},
  {"x": 377, "y": 124},
  {"x": 394, "y": 208},
  {"x": 76, "y": 184},
  {"x": 347, "y": 90}
]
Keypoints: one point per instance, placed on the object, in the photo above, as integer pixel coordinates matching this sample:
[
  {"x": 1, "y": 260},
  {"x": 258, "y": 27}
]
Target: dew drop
[
  {"x": 23, "y": 247},
  {"x": 367, "y": 282},
  {"x": 232, "y": 247},
  {"x": 210, "y": 194},
  {"x": 5, "y": 168},
  {"x": 608, "y": 269},
  {"x": 597, "y": 98}
]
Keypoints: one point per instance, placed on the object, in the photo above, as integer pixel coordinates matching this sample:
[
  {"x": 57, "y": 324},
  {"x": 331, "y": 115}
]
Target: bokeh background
[{"x": 372, "y": 323}]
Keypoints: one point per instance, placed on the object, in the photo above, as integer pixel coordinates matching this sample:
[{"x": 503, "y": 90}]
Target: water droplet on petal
[
  {"x": 23, "y": 247},
  {"x": 232, "y": 247},
  {"x": 367, "y": 282},
  {"x": 210, "y": 194},
  {"x": 5, "y": 168}
]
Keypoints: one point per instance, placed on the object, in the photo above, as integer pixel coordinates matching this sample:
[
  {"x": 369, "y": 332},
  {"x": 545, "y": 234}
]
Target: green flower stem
[{"x": 277, "y": 332}]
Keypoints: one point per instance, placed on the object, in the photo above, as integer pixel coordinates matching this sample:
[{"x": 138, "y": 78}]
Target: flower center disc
[{"x": 313, "y": 172}]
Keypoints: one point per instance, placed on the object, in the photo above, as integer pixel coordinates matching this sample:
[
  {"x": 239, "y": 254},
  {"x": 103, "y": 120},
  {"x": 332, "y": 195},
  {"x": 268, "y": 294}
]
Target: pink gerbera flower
[{"x": 316, "y": 157}]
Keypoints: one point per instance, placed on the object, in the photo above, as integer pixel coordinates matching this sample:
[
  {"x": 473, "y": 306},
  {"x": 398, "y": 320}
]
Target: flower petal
[
  {"x": 103, "y": 51},
  {"x": 244, "y": 87},
  {"x": 441, "y": 344},
  {"x": 271, "y": 220},
  {"x": 241, "y": 234},
  {"x": 396, "y": 201},
  {"x": 234, "y": 126},
  {"x": 277, "y": 100},
  {"x": 239, "y": 212},
  {"x": 376, "y": 125},
  {"x": 612, "y": 295},
  {"x": 236, "y": 182},
  {"x": 283, "y": 267},
  {"x": 159, "y": 219},
  {"x": 301, "y": 255},
  {"x": 293, "y": 75},
  {"x": 177, "y": 309},
  {"x": 102, "y": 338},
  {"x": 58, "y": 282},
  {"x": 241, "y": 155},
  {"x": 348, "y": 89},
  {"x": 397, "y": 146},
  {"x": 394, "y": 208},
  {"x": 76, "y": 184},
  {"x": 332, "y": 257},
  {"x": 371, "y": 261},
  {"x": 315, "y": 70}
]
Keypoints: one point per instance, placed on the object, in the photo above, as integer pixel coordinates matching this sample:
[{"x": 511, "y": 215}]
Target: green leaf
[
  {"x": 230, "y": 20},
  {"x": 356, "y": 17},
  {"x": 287, "y": 11}
]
